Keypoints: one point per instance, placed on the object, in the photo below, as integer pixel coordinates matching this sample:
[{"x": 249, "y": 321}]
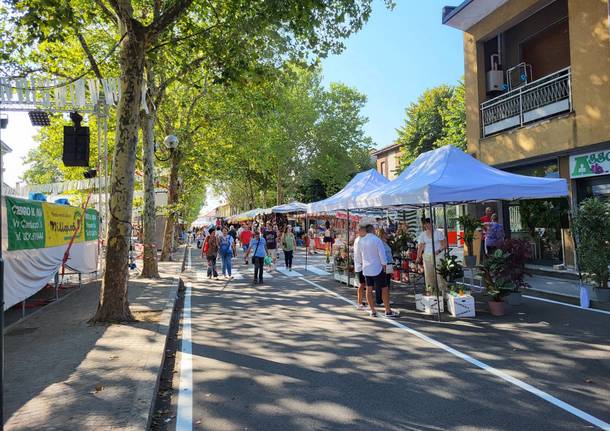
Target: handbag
[
  {"x": 255, "y": 249},
  {"x": 206, "y": 245}
]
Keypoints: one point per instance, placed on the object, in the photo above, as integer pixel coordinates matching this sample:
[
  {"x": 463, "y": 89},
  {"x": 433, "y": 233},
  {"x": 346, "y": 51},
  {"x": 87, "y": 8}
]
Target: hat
[{"x": 365, "y": 221}]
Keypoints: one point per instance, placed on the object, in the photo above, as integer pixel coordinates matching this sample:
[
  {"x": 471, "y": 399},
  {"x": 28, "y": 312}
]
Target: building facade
[
  {"x": 387, "y": 161},
  {"x": 537, "y": 75}
]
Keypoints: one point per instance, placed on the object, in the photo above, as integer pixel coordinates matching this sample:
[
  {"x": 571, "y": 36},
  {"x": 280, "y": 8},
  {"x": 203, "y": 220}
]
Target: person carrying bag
[{"x": 258, "y": 257}]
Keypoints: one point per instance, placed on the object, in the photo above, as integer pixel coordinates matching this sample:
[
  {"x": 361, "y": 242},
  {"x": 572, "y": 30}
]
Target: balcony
[{"x": 543, "y": 98}]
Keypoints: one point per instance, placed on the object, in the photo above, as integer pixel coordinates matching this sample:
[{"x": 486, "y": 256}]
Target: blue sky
[{"x": 396, "y": 56}]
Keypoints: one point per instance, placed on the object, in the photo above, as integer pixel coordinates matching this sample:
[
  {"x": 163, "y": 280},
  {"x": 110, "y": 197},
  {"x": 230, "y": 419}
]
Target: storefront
[{"x": 591, "y": 174}]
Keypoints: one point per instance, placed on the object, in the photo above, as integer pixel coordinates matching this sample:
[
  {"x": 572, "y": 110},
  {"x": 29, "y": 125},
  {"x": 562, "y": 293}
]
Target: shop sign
[
  {"x": 590, "y": 164},
  {"x": 33, "y": 224}
]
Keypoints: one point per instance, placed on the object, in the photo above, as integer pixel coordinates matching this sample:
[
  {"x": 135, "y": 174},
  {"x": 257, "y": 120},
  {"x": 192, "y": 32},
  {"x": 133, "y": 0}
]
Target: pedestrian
[
  {"x": 245, "y": 237},
  {"x": 425, "y": 254},
  {"x": 210, "y": 251},
  {"x": 271, "y": 240},
  {"x": 258, "y": 247},
  {"x": 328, "y": 240},
  {"x": 371, "y": 257},
  {"x": 383, "y": 236},
  {"x": 289, "y": 244},
  {"x": 226, "y": 245},
  {"x": 494, "y": 238},
  {"x": 358, "y": 270},
  {"x": 200, "y": 238},
  {"x": 311, "y": 239},
  {"x": 233, "y": 234}
]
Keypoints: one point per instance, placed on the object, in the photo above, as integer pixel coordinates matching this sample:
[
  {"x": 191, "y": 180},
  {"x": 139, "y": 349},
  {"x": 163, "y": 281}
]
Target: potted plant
[
  {"x": 592, "y": 228},
  {"x": 519, "y": 251},
  {"x": 498, "y": 285},
  {"x": 399, "y": 242},
  {"x": 469, "y": 225},
  {"x": 450, "y": 270}
]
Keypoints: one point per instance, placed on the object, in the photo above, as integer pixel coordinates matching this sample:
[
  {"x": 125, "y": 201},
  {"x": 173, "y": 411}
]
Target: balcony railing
[{"x": 545, "y": 97}]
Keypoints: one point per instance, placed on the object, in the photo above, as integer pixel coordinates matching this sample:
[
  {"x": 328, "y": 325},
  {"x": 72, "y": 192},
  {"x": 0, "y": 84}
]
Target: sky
[{"x": 392, "y": 60}]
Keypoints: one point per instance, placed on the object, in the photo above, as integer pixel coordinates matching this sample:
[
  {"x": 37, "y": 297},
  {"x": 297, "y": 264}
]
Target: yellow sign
[{"x": 60, "y": 224}]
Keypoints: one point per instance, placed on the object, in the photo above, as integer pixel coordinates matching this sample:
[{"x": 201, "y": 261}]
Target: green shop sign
[{"x": 590, "y": 164}]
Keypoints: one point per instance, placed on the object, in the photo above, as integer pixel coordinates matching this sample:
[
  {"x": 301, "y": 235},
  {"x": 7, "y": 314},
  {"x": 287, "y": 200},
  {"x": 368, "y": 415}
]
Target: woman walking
[
  {"x": 258, "y": 247},
  {"x": 289, "y": 244},
  {"x": 226, "y": 247},
  {"x": 210, "y": 251}
]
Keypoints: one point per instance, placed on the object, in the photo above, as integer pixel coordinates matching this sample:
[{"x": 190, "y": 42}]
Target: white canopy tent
[
  {"x": 363, "y": 182},
  {"x": 448, "y": 175},
  {"x": 292, "y": 207}
]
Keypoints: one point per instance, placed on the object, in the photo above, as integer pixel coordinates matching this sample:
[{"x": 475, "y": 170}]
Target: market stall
[
  {"x": 449, "y": 176},
  {"x": 344, "y": 199},
  {"x": 38, "y": 238}
]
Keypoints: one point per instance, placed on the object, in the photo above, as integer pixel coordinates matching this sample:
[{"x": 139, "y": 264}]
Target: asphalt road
[{"x": 288, "y": 355}]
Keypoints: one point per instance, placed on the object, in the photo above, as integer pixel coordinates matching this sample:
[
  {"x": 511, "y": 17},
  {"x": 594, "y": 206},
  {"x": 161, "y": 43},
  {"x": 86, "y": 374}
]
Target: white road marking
[
  {"x": 184, "y": 416},
  {"x": 315, "y": 270},
  {"x": 566, "y": 304},
  {"x": 287, "y": 273},
  {"x": 501, "y": 374}
]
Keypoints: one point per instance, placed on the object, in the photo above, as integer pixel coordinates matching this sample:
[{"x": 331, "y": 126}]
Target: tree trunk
[
  {"x": 150, "y": 268},
  {"x": 113, "y": 305},
  {"x": 172, "y": 198}
]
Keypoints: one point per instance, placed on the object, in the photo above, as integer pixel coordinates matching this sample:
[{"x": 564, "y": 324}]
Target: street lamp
[{"x": 171, "y": 143}]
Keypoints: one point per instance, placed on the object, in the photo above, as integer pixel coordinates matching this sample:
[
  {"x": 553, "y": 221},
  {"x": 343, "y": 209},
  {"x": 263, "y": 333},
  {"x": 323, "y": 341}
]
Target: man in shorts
[
  {"x": 370, "y": 257},
  {"x": 358, "y": 270}
]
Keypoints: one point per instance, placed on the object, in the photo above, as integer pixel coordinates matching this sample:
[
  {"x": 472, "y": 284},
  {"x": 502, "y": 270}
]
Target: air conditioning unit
[{"x": 495, "y": 76}]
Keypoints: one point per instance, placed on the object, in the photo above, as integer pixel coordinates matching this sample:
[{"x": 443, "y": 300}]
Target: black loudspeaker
[{"x": 76, "y": 146}]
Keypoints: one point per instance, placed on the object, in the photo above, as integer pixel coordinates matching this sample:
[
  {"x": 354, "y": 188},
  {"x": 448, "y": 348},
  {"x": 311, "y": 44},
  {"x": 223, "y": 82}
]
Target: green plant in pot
[
  {"x": 450, "y": 269},
  {"x": 592, "y": 228},
  {"x": 496, "y": 280},
  {"x": 519, "y": 251},
  {"x": 469, "y": 225},
  {"x": 399, "y": 243}
]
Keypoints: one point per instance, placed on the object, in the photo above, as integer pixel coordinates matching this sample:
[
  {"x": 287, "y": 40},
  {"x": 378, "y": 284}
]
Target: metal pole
[
  {"x": 438, "y": 299},
  {"x": 307, "y": 240},
  {"x": 347, "y": 266},
  {"x": 446, "y": 230},
  {"x": 1, "y": 299}
]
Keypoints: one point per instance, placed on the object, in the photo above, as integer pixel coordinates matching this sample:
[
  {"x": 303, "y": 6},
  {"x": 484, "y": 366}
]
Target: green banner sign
[
  {"x": 33, "y": 224},
  {"x": 25, "y": 224},
  {"x": 92, "y": 225}
]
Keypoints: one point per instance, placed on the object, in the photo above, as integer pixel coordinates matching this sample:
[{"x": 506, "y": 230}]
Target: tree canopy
[{"x": 436, "y": 119}]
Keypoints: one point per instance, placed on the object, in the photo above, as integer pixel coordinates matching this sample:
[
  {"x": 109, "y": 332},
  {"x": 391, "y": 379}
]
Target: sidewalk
[{"x": 63, "y": 374}]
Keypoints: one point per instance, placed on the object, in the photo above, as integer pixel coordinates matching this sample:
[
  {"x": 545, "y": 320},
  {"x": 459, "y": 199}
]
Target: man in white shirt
[
  {"x": 358, "y": 269},
  {"x": 370, "y": 257}
]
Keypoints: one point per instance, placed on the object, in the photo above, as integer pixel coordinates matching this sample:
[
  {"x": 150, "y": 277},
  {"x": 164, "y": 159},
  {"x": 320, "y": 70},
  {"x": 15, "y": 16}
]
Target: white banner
[{"x": 28, "y": 271}]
